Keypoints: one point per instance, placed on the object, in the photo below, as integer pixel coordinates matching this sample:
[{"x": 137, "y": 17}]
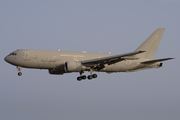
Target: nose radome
[{"x": 5, "y": 58}]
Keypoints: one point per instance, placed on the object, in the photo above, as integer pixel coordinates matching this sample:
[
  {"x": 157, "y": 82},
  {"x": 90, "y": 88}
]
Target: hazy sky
[{"x": 95, "y": 26}]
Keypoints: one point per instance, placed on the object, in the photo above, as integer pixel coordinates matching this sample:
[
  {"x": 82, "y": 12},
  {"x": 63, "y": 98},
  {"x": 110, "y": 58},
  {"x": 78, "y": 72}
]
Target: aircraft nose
[{"x": 6, "y": 58}]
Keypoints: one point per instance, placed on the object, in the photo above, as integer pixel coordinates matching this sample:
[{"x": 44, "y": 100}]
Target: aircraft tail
[{"x": 151, "y": 44}]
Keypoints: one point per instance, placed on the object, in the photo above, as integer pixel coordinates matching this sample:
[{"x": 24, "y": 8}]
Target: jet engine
[
  {"x": 160, "y": 65},
  {"x": 56, "y": 71},
  {"x": 74, "y": 67}
]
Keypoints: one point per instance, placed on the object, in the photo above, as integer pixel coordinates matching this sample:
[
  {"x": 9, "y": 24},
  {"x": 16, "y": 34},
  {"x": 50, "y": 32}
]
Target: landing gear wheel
[
  {"x": 83, "y": 77},
  {"x": 79, "y": 78},
  {"x": 94, "y": 75},
  {"x": 90, "y": 77},
  {"x": 19, "y": 73}
]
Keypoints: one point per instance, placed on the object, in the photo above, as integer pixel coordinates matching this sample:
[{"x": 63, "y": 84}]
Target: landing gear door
[{"x": 26, "y": 56}]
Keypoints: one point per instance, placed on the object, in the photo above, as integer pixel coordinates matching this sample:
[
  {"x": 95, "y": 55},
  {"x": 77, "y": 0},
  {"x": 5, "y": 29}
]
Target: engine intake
[{"x": 160, "y": 65}]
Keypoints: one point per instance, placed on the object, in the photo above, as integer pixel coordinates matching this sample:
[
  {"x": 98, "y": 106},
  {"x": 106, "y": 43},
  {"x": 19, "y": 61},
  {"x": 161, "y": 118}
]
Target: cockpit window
[{"x": 12, "y": 54}]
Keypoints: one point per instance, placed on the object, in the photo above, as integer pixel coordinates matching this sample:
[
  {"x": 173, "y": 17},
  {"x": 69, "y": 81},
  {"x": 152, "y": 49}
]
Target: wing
[
  {"x": 99, "y": 63},
  {"x": 154, "y": 61}
]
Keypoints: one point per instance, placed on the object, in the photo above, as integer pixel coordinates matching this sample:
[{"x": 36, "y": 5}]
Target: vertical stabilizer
[{"x": 151, "y": 44}]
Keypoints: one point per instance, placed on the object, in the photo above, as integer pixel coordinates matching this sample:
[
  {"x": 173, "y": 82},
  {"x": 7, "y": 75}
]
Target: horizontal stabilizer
[{"x": 157, "y": 60}]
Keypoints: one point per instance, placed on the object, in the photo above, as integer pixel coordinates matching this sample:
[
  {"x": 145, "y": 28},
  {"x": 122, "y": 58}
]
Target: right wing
[{"x": 99, "y": 63}]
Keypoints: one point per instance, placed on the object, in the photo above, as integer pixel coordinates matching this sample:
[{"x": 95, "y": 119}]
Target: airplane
[{"x": 60, "y": 62}]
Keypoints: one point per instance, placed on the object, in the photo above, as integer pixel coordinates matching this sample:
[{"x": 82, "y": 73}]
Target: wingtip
[{"x": 170, "y": 58}]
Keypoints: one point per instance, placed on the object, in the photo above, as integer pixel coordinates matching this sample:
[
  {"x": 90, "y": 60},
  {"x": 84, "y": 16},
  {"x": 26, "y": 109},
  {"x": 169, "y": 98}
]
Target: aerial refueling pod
[{"x": 74, "y": 67}]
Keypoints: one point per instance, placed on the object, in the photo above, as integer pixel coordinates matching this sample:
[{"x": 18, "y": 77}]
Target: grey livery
[{"x": 60, "y": 62}]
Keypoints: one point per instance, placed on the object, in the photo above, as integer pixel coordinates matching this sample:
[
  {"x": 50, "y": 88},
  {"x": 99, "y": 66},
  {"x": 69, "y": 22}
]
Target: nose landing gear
[
  {"x": 19, "y": 69},
  {"x": 19, "y": 73}
]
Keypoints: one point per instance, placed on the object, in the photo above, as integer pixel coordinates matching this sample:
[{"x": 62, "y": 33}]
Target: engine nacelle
[
  {"x": 160, "y": 65},
  {"x": 56, "y": 72},
  {"x": 74, "y": 67}
]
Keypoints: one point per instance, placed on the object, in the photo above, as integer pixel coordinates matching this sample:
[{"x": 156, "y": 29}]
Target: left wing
[{"x": 99, "y": 63}]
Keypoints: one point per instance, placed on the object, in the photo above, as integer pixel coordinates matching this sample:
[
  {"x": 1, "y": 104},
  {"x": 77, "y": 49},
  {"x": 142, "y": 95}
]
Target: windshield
[{"x": 12, "y": 54}]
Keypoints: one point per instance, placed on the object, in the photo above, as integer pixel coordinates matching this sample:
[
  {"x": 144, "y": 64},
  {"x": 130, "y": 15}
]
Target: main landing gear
[
  {"x": 83, "y": 77},
  {"x": 19, "y": 69}
]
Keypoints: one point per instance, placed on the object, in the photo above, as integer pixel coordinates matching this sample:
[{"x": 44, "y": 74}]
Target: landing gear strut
[{"x": 19, "y": 69}]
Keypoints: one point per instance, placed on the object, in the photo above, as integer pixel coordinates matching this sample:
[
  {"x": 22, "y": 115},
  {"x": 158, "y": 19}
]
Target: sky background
[{"x": 95, "y": 26}]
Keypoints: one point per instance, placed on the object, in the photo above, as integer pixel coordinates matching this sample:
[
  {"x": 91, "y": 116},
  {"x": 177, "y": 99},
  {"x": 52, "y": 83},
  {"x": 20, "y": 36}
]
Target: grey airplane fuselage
[
  {"x": 60, "y": 62},
  {"x": 47, "y": 59}
]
